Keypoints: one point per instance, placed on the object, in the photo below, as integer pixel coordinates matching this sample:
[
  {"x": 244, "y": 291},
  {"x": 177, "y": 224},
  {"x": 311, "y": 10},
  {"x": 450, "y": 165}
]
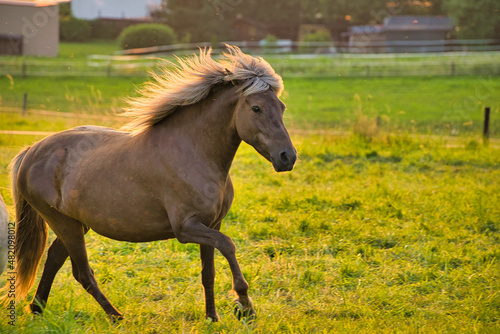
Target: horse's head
[{"x": 259, "y": 122}]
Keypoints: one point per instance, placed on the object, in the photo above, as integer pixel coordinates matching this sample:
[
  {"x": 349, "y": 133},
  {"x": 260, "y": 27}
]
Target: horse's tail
[{"x": 31, "y": 238}]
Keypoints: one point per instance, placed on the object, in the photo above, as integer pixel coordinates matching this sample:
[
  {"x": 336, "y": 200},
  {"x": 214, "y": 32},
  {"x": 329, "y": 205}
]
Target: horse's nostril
[{"x": 284, "y": 157}]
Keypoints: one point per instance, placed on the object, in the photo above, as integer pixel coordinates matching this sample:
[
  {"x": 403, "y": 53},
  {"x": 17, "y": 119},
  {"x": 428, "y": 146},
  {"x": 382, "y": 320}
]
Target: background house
[
  {"x": 402, "y": 34},
  {"x": 365, "y": 39},
  {"x": 29, "y": 28}
]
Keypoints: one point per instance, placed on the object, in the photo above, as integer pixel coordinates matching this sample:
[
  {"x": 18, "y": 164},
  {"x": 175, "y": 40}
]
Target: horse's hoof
[
  {"x": 36, "y": 309},
  {"x": 243, "y": 309},
  {"x": 116, "y": 317},
  {"x": 212, "y": 318}
]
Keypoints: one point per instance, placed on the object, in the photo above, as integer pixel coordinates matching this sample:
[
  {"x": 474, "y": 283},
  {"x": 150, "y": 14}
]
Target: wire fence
[{"x": 333, "y": 65}]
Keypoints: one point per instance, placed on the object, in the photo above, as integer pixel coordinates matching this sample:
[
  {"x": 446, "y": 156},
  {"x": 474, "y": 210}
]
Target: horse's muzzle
[{"x": 285, "y": 160}]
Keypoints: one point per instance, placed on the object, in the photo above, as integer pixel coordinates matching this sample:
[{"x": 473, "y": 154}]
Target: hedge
[
  {"x": 74, "y": 30},
  {"x": 146, "y": 35}
]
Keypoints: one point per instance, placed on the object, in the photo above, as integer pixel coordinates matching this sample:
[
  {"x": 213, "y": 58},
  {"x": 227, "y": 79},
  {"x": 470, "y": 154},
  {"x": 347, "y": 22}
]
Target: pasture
[{"x": 377, "y": 230}]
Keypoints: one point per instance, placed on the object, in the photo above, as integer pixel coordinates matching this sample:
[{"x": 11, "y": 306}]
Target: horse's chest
[
  {"x": 208, "y": 200},
  {"x": 210, "y": 205}
]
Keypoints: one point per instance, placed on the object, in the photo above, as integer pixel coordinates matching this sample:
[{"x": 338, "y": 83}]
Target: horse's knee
[{"x": 227, "y": 247}]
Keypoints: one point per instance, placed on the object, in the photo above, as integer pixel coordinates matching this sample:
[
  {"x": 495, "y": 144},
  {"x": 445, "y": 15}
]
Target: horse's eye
[{"x": 256, "y": 109}]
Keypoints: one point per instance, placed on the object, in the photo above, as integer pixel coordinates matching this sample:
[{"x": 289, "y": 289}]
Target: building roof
[
  {"x": 365, "y": 29},
  {"x": 405, "y": 23},
  {"x": 418, "y": 23}
]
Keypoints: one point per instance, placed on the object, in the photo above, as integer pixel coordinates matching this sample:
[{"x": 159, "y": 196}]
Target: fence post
[
  {"x": 25, "y": 103},
  {"x": 486, "y": 126},
  {"x": 23, "y": 69}
]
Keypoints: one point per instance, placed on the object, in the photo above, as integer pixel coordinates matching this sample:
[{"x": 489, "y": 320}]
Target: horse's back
[{"x": 58, "y": 158}]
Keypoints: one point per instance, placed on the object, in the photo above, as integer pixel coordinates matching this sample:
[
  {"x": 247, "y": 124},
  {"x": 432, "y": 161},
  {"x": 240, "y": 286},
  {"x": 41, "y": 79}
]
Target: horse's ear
[{"x": 230, "y": 74}]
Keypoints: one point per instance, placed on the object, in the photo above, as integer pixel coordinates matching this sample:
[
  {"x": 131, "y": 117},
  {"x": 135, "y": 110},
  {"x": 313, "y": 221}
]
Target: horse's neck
[{"x": 208, "y": 126}]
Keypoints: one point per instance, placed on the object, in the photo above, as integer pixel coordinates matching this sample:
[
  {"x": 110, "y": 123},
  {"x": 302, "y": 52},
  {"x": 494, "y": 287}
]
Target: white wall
[
  {"x": 38, "y": 24},
  {"x": 116, "y": 9}
]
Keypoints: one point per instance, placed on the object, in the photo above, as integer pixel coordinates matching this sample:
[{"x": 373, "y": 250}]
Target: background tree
[
  {"x": 279, "y": 11},
  {"x": 475, "y": 19},
  {"x": 338, "y": 15},
  {"x": 208, "y": 20},
  {"x": 424, "y": 7},
  {"x": 197, "y": 21}
]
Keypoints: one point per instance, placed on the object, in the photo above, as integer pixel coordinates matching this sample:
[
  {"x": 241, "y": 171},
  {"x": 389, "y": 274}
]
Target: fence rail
[
  {"x": 347, "y": 65},
  {"x": 362, "y": 45}
]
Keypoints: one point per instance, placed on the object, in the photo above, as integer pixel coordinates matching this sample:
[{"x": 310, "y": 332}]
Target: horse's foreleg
[
  {"x": 207, "y": 279},
  {"x": 194, "y": 231},
  {"x": 56, "y": 257}
]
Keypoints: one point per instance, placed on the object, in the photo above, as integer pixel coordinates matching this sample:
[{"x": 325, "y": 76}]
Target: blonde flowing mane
[{"x": 191, "y": 81}]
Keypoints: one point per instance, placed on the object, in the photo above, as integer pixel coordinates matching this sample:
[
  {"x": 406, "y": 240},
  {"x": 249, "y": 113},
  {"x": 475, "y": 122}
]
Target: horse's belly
[
  {"x": 132, "y": 230},
  {"x": 123, "y": 216}
]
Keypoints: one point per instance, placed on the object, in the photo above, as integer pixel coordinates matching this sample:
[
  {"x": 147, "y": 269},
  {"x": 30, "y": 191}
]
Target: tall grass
[
  {"x": 380, "y": 230},
  {"x": 390, "y": 235}
]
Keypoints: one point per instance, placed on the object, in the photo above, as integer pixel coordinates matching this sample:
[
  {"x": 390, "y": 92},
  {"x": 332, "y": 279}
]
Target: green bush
[
  {"x": 146, "y": 35},
  {"x": 318, "y": 36},
  {"x": 72, "y": 29},
  {"x": 270, "y": 43}
]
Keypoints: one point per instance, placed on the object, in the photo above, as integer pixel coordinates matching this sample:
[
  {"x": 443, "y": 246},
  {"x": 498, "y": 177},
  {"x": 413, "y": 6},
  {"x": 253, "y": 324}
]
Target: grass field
[
  {"x": 374, "y": 231},
  {"x": 426, "y": 105},
  {"x": 396, "y": 235}
]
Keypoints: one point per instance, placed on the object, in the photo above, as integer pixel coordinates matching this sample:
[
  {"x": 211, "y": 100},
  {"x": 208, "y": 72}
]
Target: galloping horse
[{"x": 165, "y": 175}]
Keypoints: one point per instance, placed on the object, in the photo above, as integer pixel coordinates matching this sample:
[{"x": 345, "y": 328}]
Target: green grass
[
  {"x": 377, "y": 65},
  {"x": 82, "y": 50},
  {"x": 437, "y": 105},
  {"x": 72, "y": 51},
  {"x": 388, "y": 236},
  {"x": 374, "y": 231},
  {"x": 428, "y": 105}
]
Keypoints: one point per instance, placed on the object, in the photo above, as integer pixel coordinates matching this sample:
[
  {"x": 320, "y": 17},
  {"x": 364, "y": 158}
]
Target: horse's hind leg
[
  {"x": 56, "y": 257},
  {"x": 72, "y": 234},
  {"x": 85, "y": 275}
]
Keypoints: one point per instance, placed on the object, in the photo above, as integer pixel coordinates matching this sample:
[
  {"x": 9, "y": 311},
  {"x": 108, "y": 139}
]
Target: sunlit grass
[
  {"x": 384, "y": 230},
  {"x": 392, "y": 235}
]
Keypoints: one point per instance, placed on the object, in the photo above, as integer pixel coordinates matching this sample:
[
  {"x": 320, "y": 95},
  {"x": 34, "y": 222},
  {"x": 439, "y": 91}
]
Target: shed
[
  {"x": 402, "y": 34},
  {"x": 365, "y": 39},
  {"x": 414, "y": 29},
  {"x": 29, "y": 28}
]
